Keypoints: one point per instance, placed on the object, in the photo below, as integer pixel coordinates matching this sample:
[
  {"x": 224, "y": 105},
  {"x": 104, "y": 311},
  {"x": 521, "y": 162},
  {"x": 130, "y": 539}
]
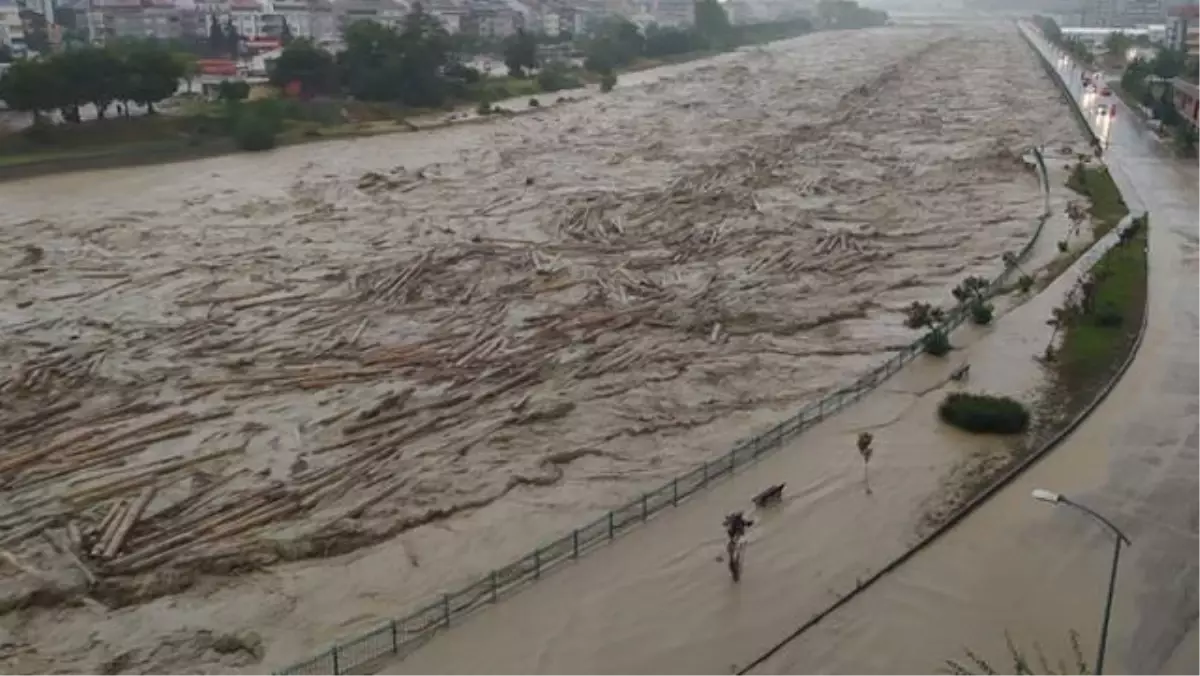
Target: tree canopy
[
  {"x": 142, "y": 71},
  {"x": 520, "y": 53},
  {"x": 307, "y": 65}
]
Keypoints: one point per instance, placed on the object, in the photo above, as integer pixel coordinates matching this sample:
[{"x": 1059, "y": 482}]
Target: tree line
[{"x": 143, "y": 72}]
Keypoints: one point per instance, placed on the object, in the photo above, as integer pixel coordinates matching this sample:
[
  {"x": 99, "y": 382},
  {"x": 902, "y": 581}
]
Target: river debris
[{"x": 383, "y": 350}]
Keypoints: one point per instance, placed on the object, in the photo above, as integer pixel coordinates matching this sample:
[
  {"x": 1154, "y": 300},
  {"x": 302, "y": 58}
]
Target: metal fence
[{"x": 399, "y": 637}]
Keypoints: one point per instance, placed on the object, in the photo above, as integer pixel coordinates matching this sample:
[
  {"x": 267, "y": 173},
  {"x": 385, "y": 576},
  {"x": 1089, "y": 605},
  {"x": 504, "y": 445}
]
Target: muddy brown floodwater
[{"x": 297, "y": 392}]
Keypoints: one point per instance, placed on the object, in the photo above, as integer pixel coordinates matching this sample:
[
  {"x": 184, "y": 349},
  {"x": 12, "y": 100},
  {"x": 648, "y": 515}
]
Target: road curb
[{"x": 1004, "y": 479}]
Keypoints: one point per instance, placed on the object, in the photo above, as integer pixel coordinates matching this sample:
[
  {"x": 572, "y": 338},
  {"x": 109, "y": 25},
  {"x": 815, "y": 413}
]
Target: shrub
[
  {"x": 254, "y": 133},
  {"x": 919, "y": 315},
  {"x": 970, "y": 287},
  {"x": 1109, "y": 317},
  {"x": 556, "y": 76},
  {"x": 607, "y": 81},
  {"x": 534, "y": 103},
  {"x": 456, "y": 70},
  {"x": 936, "y": 343},
  {"x": 982, "y": 313},
  {"x": 1063, "y": 245},
  {"x": 237, "y": 90},
  {"x": 1025, "y": 283},
  {"x": 484, "y": 107},
  {"x": 984, "y": 413}
]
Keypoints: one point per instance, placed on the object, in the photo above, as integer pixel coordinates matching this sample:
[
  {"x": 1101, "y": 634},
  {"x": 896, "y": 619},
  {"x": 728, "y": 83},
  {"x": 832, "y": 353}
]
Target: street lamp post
[{"x": 1059, "y": 499}]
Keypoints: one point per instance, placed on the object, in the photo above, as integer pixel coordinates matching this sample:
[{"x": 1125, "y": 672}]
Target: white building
[
  {"x": 12, "y": 31},
  {"x": 312, "y": 19},
  {"x": 390, "y": 13}
]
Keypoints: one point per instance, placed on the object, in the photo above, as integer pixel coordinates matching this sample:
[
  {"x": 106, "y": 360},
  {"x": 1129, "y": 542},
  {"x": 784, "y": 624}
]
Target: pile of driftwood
[{"x": 470, "y": 337}]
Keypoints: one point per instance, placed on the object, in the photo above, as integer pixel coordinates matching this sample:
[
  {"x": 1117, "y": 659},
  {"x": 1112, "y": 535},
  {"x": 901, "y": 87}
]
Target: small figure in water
[{"x": 736, "y": 525}]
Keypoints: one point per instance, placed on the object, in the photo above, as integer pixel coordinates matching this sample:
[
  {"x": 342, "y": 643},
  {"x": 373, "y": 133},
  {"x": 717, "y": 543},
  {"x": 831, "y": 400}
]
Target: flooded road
[
  {"x": 1023, "y": 567},
  {"x": 434, "y": 351}
]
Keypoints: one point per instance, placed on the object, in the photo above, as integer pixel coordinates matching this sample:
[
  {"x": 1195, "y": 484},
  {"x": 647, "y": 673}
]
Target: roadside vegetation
[
  {"x": 984, "y": 413},
  {"x": 1107, "y": 207},
  {"x": 1019, "y": 662}
]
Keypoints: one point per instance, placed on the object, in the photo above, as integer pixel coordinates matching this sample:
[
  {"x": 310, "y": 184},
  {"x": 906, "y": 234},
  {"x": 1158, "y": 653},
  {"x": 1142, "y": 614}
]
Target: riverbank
[{"x": 513, "y": 95}]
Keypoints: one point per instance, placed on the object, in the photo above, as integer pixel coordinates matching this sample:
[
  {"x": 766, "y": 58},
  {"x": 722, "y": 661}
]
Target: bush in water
[
  {"x": 936, "y": 343},
  {"x": 608, "y": 81},
  {"x": 984, "y": 413},
  {"x": 982, "y": 313}
]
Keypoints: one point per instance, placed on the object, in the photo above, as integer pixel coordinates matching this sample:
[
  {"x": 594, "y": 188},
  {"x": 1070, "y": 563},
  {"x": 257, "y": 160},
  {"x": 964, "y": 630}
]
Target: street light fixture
[{"x": 1060, "y": 499}]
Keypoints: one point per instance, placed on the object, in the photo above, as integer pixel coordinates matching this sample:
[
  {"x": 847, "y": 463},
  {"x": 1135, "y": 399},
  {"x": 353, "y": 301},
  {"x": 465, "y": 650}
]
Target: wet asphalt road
[{"x": 1032, "y": 570}]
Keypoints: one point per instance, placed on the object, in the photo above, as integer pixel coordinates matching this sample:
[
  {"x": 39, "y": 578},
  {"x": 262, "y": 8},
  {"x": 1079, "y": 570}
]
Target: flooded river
[{"x": 427, "y": 353}]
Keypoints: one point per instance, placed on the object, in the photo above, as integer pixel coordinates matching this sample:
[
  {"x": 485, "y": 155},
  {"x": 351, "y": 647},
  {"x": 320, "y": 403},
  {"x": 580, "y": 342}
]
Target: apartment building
[
  {"x": 159, "y": 19},
  {"x": 1122, "y": 13},
  {"x": 387, "y": 12},
  {"x": 1143, "y": 12},
  {"x": 311, "y": 19},
  {"x": 1182, "y": 29},
  {"x": 12, "y": 31}
]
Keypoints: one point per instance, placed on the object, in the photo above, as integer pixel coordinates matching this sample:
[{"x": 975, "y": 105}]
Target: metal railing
[{"x": 402, "y": 636}]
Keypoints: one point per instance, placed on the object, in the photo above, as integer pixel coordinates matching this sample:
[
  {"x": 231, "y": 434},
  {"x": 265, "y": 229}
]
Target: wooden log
[
  {"x": 113, "y": 511},
  {"x": 133, "y": 514},
  {"x": 110, "y": 532},
  {"x": 139, "y": 477}
]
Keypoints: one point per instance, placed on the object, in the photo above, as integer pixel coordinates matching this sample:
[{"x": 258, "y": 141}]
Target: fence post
[
  {"x": 333, "y": 651},
  {"x": 395, "y": 638},
  {"x": 704, "y": 477},
  {"x": 446, "y": 609},
  {"x": 495, "y": 585},
  {"x": 611, "y": 528},
  {"x": 575, "y": 544},
  {"x": 675, "y": 492},
  {"x": 537, "y": 563},
  {"x": 733, "y": 456},
  {"x": 645, "y": 512}
]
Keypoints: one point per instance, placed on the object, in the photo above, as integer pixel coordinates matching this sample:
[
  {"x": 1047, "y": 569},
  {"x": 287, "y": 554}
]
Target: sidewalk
[{"x": 658, "y": 600}]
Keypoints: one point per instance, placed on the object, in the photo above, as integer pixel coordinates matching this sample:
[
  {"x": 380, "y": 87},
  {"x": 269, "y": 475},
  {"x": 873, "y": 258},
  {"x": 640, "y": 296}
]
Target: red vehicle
[{"x": 1106, "y": 92}]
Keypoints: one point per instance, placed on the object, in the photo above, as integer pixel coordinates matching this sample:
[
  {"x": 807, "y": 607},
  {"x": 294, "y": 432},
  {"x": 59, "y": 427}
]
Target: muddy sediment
[{"x": 466, "y": 340}]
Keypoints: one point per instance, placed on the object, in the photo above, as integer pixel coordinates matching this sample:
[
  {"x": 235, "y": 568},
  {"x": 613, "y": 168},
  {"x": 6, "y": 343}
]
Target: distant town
[{"x": 32, "y": 27}]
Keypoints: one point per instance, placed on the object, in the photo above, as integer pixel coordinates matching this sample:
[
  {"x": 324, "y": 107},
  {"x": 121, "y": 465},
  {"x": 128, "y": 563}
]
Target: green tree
[
  {"x": 92, "y": 75},
  {"x": 381, "y": 64},
  {"x": 188, "y": 66},
  {"x": 712, "y": 23},
  {"x": 31, "y": 86},
  {"x": 520, "y": 53},
  {"x": 152, "y": 74},
  {"x": 1117, "y": 44},
  {"x": 669, "y": 41},
  {"x": 233, "y": 90},
  {"x": 310, "y": 66},
  {"x": 426, "y": 51},
  {"x": 216, "y": 37},
  {"x": 285, "y": 34},
  {"x": 233, "y": 40},
  {"x": 370, "y": 63},
  {"x": 616, "y": 43}
]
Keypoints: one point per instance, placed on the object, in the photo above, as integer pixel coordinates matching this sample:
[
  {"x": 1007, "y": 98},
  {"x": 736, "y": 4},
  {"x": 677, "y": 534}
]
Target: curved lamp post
[{"x": 1059, "y": 499}]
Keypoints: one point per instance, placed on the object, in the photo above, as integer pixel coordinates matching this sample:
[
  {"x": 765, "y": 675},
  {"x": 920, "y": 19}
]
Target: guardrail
[
  {"x": 399, "y": 637},
  {"x": 1056, "y": 78}
]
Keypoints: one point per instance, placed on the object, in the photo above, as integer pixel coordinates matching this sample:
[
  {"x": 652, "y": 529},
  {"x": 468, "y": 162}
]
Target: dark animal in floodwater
[{"x": 770, "y": 496}]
